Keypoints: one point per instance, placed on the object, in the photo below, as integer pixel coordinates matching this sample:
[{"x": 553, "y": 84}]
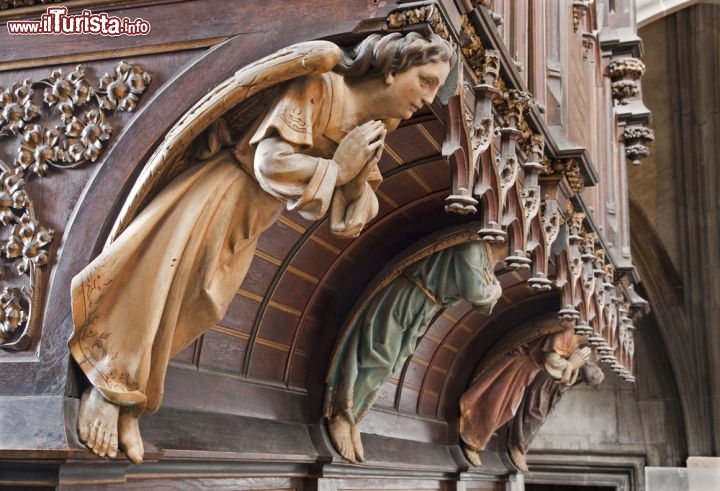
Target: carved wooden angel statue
[
  {"x": 495, "y": 394},
  {"x": 303, "y": 129},
  {"x": 389, "y": 326}
]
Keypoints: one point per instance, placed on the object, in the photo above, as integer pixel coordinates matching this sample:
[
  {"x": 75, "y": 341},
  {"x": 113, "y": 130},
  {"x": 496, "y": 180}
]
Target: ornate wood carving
[
  {"x": 495, "y": 153},
  {"x": 589, "y": 43},
  {"x": 422, "y": 14},
  {"x": 579, "y": 11},
  {"x": 568, "y": 168},
  {"x": 73, "y": 133},
  {"x": 594, "y": 298},
  {"x": 637, "y": 139},
  {"x": 488, "y": 4},
  {"x": 497, "y": 160},
  {"x": 625, "y": 74}
]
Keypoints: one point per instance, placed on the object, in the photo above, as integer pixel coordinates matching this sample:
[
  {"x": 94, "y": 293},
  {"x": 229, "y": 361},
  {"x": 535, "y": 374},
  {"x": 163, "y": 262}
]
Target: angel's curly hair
[{"x": 379, "y": 55}]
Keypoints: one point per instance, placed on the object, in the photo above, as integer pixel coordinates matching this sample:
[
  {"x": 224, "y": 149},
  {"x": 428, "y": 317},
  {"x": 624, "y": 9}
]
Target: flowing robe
[
  {"x": 173, "y": 272},
  {"x": 494, "y": 397},
  {"x": 390, "y": 326},
  {"x": 540, "y": 399}
]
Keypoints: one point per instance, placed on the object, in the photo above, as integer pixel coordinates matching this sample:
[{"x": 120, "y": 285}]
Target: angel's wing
[{"x": 167, "y": 161}]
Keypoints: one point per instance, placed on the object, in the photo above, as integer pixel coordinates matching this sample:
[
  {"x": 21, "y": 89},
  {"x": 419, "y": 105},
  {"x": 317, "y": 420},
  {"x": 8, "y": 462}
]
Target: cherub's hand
[
  {"x": 362, "y": 145},
  {"x": 579, "y": 357}
]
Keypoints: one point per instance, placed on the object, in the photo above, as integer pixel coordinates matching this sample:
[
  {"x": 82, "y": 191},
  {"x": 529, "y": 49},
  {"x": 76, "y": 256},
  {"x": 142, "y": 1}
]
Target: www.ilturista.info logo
[{"x": 57, "y": 21}]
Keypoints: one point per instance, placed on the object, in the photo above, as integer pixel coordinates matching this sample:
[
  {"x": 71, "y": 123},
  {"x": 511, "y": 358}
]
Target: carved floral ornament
[
  {"x": 625, "y": 74},
  {"x": 471, "y": 45},
  {"x": 72, "y": 133},
  {"x": 420, "y": 15},
  {"x": 568, "y": 168},
  {"x": 637, "y": 139}
]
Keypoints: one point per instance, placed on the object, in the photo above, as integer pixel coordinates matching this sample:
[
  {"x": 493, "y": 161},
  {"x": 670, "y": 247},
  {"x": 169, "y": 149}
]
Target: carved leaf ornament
[{"x": 75, "y": 135}]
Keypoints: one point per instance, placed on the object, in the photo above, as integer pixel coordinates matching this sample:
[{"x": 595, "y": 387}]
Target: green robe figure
[{"x": 390, "y": 327}]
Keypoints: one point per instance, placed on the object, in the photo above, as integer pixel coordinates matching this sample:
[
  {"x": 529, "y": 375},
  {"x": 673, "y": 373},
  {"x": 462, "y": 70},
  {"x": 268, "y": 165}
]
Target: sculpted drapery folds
[
  {"x": 539, "y": 401},
  {"x": 494, "y": 396},
  {"x": 169, "y": 273},
  {"x": 389, "y": 327}
]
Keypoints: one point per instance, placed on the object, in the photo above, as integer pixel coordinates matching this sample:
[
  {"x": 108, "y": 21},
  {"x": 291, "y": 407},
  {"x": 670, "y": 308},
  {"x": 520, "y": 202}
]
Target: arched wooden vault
[
  {"x": 251, "y": 388},
  {"x": 282, "y": 325}
]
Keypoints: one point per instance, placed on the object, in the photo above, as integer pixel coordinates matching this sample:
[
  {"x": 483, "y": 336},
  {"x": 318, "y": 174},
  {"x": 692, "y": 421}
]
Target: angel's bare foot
[
  {"x": 473, "y": 456},
  {"x": 518, "y": 458},
  {"x": 130, "y": 439},
  {"x": 357, "y": 444},
  {"x": 340, "y": 433},
  {"x": 97, "y": 423}
]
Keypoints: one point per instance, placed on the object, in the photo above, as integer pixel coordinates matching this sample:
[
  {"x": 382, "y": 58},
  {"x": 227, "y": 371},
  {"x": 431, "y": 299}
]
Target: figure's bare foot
[
  {"x": 357, "y": 444},
  {"x": 130, "y": 439},
  {"x": 473, "y": 456},
  {"x": 518, "y": 458},
  {"x": 340, "y": 428},
  {"x": 97, "y": 423}
]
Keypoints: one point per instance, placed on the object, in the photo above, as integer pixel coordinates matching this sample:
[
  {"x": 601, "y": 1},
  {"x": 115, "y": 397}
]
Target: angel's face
[{"x": 408, "y": 91}]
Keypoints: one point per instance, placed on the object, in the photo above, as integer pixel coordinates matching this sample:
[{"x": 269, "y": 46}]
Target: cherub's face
[{"x": 408, "y": 91}]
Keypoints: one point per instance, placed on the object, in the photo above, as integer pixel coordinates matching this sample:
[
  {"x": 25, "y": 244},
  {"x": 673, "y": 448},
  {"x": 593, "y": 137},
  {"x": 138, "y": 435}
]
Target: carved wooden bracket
[
  {"x": 569, "y": 168},
  {"x": 589, "y": 42},
  {"x": 625, "y": 74},
  {"x": 637, "y": 139},
  {"x": 70, "y": 140},
  {"x": 595, "y": 298},
  {"x": 580, "y": 10},
  {"x": 470, "y": 129}
]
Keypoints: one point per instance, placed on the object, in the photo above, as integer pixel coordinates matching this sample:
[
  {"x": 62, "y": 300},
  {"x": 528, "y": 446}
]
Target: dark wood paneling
[
  {"x": 259, "y": 276},
  {"x": 220, "y": 393},
  {"x": 268, "y": 363},
  {"x": 313, "y": 258},
  {"x": 32, "y": 427},
  {"x": 241, "y": 314},
  {"x": 278, "y": 240},
  {"x": 222, "y": 352},
  {"x": 192, "y": 434},
  {"x": 278, "y": 326},
  {"x": 293, "y": 291}
]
